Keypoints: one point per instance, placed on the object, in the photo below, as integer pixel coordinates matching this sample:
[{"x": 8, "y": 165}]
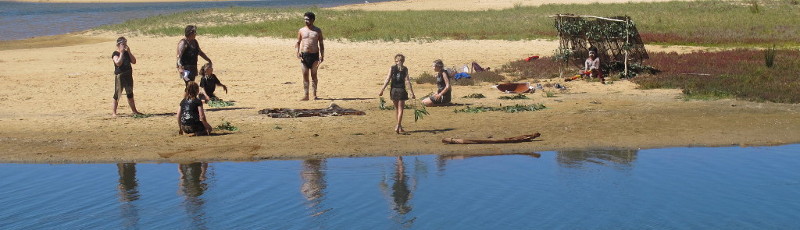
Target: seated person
[
  {"x": 442, "y": 95},
  {"x": 592, "y": 67}
]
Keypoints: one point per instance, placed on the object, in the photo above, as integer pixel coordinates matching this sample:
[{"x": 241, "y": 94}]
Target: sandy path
[{"x": 56, "y": 102}]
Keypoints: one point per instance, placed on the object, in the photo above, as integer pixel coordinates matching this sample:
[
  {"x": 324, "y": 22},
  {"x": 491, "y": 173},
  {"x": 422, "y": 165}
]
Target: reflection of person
[
  {"x": 191, "y": 116},
  {"x": 128, "y": 192},
  {"x": 442, "y": 95},
  {"x": 192, "y": 185},
  {"x": 398, "y": 76},
  {"x": 209, "y": 82},
  {"x": 188, "y": 50},
  {"x": 401, "y": 194},
  {"x": 310, "y": 51},
  {"x": 123, "y": 58},
  {"x": 591, "y": 67},
  {"x": 313, "y": 187}
]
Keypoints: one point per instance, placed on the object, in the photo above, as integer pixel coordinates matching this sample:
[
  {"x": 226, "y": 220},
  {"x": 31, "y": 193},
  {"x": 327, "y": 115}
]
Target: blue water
[
  {"x": 19, "y": 20},
  {"x": 676, "y": 188}
]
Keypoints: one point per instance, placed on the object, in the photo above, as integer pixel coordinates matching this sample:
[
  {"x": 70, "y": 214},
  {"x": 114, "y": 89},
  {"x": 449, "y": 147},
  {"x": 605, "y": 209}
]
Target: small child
[
  {"x": 398, "y": 76},
  {"x": 191, "y": 116},
  {"x": 209, "y": 82}
]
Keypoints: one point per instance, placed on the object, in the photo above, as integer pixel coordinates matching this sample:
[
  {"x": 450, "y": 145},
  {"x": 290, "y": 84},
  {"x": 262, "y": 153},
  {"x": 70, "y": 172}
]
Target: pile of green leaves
[
  {"x": 475, "y": 95},
  {"x": 227, "y": 126},
  {"x": 219, "y": 103},
  {"x": 515, "y": 97},
  {"x": 507, "y": 109},
  {"x": 142, "y": 115}
]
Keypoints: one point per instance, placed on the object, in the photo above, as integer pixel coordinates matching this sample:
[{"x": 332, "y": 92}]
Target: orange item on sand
[{"x": 515, "y": 87}]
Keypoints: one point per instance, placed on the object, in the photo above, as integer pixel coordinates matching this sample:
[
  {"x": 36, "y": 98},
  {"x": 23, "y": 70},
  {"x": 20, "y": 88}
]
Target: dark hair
[
  {"x": 310, "y": 15},
  {"x": 191, "y": 91},
  {"x": 190, "y": 29},
  {"x": 121, "y": 40},
  {"x": 439, "y": 63},
  {"x": 402, "y": 57}
]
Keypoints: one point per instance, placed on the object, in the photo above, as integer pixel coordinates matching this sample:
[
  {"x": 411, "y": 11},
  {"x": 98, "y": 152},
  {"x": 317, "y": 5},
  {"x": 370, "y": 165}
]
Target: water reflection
[
  {"x": 313, "y": 187},
  {"x": 620, "y": 158},
  {"x": 191, "y": 185},
  {"x": 441, "y": 160},
  {"x": 128, "y": 192},
  {"x": 401, "y": 193}
]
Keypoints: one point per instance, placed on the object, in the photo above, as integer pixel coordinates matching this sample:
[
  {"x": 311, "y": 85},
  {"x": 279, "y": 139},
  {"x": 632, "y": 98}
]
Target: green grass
[{"x": 708, "y": 22}]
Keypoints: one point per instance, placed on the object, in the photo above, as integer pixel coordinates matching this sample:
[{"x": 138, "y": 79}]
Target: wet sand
[{"x": 56, "y": 104}]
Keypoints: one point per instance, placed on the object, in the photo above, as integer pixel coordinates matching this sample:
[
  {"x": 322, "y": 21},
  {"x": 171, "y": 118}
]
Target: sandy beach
[{"x": 56, "y": 104}]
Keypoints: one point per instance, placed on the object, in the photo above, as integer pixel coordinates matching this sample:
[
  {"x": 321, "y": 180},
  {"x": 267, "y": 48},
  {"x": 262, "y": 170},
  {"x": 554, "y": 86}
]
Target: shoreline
[
  {"x": 117, "y": 1},
  {"x": 57, "y": 103},
  {"x": 42, "y": 127}
]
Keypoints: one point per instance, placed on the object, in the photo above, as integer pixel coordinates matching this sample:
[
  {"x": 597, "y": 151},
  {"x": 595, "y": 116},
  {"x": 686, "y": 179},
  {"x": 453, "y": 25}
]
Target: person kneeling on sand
[
  {"x": 123, "y": 58},
  {"x": 209, "y": 82},
  {"x": 191, "y": 116},
  {"x": 442, "y": 95}
]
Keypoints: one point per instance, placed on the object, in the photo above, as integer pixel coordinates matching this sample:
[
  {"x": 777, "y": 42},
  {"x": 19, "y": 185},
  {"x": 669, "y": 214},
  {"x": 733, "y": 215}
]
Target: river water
[
  {"x": 20, "y": 20},
  {"x": 674, "y": 188}
]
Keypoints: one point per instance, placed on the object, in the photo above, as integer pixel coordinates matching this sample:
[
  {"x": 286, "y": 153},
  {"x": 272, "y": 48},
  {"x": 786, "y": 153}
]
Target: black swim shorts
[{"x": 309, "y": 59}]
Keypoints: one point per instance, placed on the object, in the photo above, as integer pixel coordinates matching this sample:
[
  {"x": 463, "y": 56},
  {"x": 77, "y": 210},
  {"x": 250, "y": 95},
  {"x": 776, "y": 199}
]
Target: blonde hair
[
  {"x": 204, "y": 68},
  {"x": 191, "y": 91}
]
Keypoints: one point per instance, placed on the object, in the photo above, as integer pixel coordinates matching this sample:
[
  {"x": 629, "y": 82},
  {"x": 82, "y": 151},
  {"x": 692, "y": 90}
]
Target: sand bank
[{"x": 56, "y": 103}]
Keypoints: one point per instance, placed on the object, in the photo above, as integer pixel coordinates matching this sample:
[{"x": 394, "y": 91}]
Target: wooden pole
[{"x": 627, "y": 43}]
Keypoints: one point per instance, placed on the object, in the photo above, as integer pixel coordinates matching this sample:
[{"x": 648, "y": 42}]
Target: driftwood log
[
  {"x": 332, "y": 110},
  {"x": 517, "y": 139}
]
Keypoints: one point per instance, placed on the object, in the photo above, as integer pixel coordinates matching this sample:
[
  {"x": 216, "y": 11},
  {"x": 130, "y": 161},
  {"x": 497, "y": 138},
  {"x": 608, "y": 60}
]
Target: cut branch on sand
[{"x": 517, "y": 139}]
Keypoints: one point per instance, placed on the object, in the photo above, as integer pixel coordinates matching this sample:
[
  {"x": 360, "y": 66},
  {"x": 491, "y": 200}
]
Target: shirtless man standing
[{"x": 310, "y": 51}]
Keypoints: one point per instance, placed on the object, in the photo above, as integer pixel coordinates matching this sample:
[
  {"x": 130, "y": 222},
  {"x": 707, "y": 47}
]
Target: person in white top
[{"x": 592, "y": 67}]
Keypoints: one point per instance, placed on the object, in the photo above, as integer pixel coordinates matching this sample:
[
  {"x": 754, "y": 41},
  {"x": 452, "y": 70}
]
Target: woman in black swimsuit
[
  {"x": 442, "y": 95},
  {"x": 398, "y": 76},
  {"x": 191, "y": 116}
]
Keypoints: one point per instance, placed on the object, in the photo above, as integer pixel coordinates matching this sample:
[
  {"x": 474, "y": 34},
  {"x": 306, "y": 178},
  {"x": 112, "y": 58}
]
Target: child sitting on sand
[
  {"x": 398, "y": 76},
  {"x": 191, "y": 116},
  {"x": 209, "y": 82}
]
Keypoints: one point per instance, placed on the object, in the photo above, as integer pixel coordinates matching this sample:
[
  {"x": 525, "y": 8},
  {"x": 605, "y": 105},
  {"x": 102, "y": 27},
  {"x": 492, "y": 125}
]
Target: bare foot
[
  {"x": 317, "y": 98},
  {"x": 113, "y": 115},
  {"x": 304, "y": 98}
]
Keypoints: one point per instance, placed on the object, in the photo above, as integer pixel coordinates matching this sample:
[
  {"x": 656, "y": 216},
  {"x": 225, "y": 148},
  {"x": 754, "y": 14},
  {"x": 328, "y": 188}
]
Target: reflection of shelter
[
  {"x": 616, "y": 39},
  {"x": 128, "y": 192},
  {"x": 192, "y": 186},
  {"x": 577, "y": 158}
]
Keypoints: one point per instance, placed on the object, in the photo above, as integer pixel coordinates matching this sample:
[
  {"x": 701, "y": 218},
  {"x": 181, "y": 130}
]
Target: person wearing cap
[
  {"x": 123, "y": 59},
  {"x": 188, "y": 50},
  {"x": 310, "y": 51}
]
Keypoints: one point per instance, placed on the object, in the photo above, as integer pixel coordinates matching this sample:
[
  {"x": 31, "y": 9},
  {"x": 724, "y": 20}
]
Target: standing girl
[
  {"x": 191, "y": 116},
  {"x": 442, "y": 95},
  {"x": 398, "y": 76}
]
